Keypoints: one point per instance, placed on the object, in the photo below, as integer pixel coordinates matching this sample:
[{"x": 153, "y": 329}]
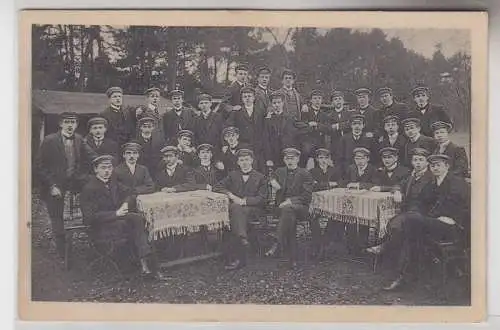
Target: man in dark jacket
[
  {"x": 445, "y": 214},
  {"x": 352, "y": 140},
  {"x": 361, "y": 174},
  {"x": 172, "y": 176},
  {"x": 131, "y": 174},
  {"x": 96, "y": 143},
  {"x": 106, "y": 208},
  {"x": 207, "y": 174},
  {"x": 59, "y": 166},
  {"x": 121, "y": 121},
  {"x": 187, "y": 152},
  {"x": 293, "y": 186},
  {"x": 326, "y": 175},
  {"x": 209, "y": 125},
  {"x": 262, "y": 90},
  {"x": 178, "y": 117},
  {"x": 247, "y": 192},
  {"x": 392, "y": 174},
  {"x": 152, "y": 108},
  {"x": 415, "y": 139},
  {"x": 372, "y": 122},
  {"x": 228, "y": 155},
  {"x": 340, "y": 122},
  {"x": 313, "y": 128},
  {"x": 250, "y": 122},
  {"x": 392, "y": 136},
  {"x": 279, "y": 132},
  {"x": 427, "y": 113},
  {"x": 232, "y": 98},
  {"x": 151, "y": 141},
  {"x": 459, "y": 164},
  {"x": 389, "y": 105}
]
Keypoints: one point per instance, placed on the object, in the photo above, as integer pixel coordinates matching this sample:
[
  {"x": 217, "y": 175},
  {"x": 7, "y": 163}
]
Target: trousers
[
  {"x": 287, "y": 229},
  {"x": 132, "y": 226}
]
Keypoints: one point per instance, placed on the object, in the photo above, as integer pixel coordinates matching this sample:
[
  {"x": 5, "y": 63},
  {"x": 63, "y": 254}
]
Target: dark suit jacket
[
  {"x": 99, "y": 204},
  {"x": 232, "y": 97},
  {"x": 262, "y": 98},
  {"x": 254, "y": 190},
  {"x": 372, "y": 120},
  {"x": 107, "y": 147},
  {"x": 147, "y": 111},
  {"x": 202, "y": 177},
  {"x": 172, "y": 123},
  {"x": 121, "y": 124},
  {"x": 150, "y": 153},
  {"x": 399, "y": 144},
  {"x": 229, "y": 159},
  {"x": 182, "y": 178},
  {"x": 279, "y": 133},
  {"x": 422, "y": 142},
  {"x": 298, "y": 190},
  {"x": 251, "y": 128},
  {"x": 209, "y": 130},
  {"x": 459, "y": 164},
  {"x": 451, "y": 199},
  {"x": 343, "y": 119},
  {"x": 322, "y": 179},
  {"x": 51, "y": 163},
  {"x": 346, "y": 146},
  {"x": 366, "y": 180},
  {"x": 411, "y": 190},
  {"x": 396, "y": 108},
  {"x": 387, "y": 183},
  {"x": 314, "y": 135},
  {"x": 140, "y": 182},
  {"x": 432, "y": 114}
]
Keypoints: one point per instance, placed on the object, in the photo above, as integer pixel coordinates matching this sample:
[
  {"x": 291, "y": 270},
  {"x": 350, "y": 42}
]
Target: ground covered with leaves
[{"x": 334, "y": 281}]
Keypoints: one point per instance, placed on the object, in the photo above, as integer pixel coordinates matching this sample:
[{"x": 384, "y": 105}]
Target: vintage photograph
[{"x": 252, "y": 164}]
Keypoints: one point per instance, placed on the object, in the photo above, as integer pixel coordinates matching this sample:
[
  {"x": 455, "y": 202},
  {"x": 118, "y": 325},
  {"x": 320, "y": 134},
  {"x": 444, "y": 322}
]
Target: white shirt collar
[
  {"x": 361, "y": 170},
  {"x": 415, "y": 138},
  {"x": 115, "y": 108},
  {"x": 131, "y": 167},
  {"x": 440, "y": 179},
  {"x": 392, "y": 167}
]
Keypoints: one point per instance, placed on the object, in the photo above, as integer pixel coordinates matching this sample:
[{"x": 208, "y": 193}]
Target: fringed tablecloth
[
  {"x": 372, "y": 209},
  {"x": 179, "y": 213}
]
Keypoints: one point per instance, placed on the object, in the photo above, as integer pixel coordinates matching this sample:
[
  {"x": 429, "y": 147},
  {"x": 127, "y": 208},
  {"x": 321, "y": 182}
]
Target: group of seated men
[{"x": 241, "y": 150}]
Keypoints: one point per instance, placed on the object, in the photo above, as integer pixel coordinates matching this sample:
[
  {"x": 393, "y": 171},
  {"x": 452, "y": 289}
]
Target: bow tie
[
  {"x": 245, "y": 173},
  {"x": 72, "y": 137}
]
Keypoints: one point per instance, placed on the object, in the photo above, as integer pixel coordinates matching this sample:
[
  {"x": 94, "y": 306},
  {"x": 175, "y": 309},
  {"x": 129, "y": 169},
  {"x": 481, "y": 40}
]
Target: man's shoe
[{"x": 395, "y": 285}]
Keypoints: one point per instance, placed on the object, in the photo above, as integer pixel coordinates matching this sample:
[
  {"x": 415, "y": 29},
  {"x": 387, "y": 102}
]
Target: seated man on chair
[
  {"x": 327, "y": 175},
  {"x": 294, "y": 186},
  {"x": 392, "y": 174},
  {"x": 247, "y": 192},
  {"x": 207, "y": 174},
  {"x": 445, "y": 210},
  {"x": 173, "y": 176},
  {"x": 131, "y": 174},
  {"x": 106, "y": 208},
  {"x": 361, "y": 174}
]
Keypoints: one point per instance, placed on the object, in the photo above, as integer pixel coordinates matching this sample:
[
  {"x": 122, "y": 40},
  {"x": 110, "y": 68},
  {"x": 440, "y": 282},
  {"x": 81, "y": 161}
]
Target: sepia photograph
[{"x": 307, "y": 161}]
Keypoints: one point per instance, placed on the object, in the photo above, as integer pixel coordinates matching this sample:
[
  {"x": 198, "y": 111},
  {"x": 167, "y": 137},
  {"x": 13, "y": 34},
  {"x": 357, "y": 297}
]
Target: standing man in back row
[
  {"x": 390, "y": 106},
  {"x": 177, "y": 118},
  {"x": 293, "y": 100},
  {"x": 121, "y": 122},
  {"x": 425, "y": 111},
  {"x": 232, "y": 98}
]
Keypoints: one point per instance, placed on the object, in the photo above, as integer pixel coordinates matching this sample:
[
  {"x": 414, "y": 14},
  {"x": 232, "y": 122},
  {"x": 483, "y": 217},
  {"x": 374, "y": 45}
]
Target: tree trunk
[{"x": 171, "y": 57}]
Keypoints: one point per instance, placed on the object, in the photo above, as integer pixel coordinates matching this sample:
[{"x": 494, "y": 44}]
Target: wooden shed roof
[{"x": 56, "y": 102}]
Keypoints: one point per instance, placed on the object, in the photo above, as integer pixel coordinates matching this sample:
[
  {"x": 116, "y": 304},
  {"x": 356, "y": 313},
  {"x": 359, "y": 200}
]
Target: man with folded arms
[
  {"x": 106, "y": 206},
  {"x": 247, "y": 192},
  {"x": 121, "y": 122},
  {"x": 293, "y": 186}
]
